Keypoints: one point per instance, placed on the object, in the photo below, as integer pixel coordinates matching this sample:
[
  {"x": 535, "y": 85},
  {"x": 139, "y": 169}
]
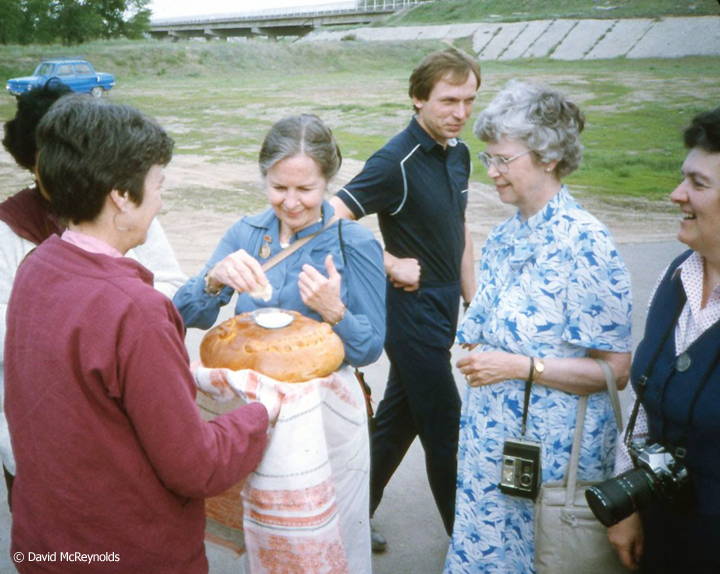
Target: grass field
[{"x": 218, "y": 99}]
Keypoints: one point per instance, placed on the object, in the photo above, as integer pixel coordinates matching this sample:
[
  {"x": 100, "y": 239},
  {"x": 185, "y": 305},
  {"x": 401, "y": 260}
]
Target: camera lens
[{"x": 617, "y": 498}]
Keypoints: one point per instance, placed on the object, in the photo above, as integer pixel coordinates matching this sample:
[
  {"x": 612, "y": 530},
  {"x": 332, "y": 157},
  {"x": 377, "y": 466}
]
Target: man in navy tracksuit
[{"x": 417, "y": 184}]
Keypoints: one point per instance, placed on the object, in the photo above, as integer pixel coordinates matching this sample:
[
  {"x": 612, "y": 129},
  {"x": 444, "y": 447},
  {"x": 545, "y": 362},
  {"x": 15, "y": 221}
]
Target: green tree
[
  {"x": 75, "y": 21},
  {"x": 138, "y": 23},
  {"x": 11, "y": 20},
  {"x": 38, "y": 22},
  {"x": 71, "y": 21},
  {"x": 123, "y": 18}
]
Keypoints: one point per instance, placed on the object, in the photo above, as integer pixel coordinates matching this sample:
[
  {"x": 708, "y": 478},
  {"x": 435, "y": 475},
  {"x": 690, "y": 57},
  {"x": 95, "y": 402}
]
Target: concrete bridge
[{"x": 276, "y": 22}]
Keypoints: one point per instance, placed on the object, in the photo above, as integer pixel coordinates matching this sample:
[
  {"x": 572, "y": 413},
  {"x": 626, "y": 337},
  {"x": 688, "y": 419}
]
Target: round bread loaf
[{"x": 304, "y": 350}]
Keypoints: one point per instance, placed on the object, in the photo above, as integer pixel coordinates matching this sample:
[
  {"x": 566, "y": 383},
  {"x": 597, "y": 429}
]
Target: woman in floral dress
[{"x": 553, "y": 295}]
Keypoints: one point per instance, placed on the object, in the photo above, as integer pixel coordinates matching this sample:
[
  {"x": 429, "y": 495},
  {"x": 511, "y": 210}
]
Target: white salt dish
[{"x": 271, "y": 318}]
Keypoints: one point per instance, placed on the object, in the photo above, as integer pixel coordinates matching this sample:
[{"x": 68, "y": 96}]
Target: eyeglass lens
[{"x": 500, "y": 163}]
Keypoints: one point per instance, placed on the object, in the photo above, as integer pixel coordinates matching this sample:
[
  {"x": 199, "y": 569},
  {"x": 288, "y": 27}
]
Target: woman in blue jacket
[{"x": 338, "y": 277}]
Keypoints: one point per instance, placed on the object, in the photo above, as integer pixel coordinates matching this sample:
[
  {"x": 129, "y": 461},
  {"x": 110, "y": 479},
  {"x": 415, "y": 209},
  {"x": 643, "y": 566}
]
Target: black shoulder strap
[{"x": 342, "y": 243}]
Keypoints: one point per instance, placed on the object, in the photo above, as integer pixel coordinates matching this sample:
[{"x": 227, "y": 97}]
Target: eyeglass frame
[{"x": 488, "y": 160}]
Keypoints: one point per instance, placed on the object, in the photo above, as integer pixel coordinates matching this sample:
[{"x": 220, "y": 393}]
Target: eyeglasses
[{"x": 500, "y": 163}]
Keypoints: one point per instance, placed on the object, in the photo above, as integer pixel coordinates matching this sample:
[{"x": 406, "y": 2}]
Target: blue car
[{"x": 77, "y": 74}]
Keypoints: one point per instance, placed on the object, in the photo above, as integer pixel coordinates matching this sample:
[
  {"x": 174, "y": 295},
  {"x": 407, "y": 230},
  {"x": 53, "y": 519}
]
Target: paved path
[{"x": 407, "y": 516}]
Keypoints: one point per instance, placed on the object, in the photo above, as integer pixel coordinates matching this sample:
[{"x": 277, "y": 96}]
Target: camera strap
[
  {"x": 678, "y": 449},
  {"x": 642, "y": 381},
  {"x": 528, "y": 386}
]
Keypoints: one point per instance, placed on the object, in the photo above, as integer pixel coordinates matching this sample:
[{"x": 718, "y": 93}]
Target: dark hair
[
  {"x": 19, "y": 138},
  {"x": 704, "y": 131},
  {"x": 89, "y": 147},
  {"x": 450, "y": 65},
  {"x": 301, "y": 135}
]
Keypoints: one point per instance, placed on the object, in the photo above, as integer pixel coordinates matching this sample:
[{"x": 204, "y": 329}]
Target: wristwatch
[
  {"x": 209, "y": 289},
  {"x": 538, "y": 368},
  {"x": 342, "y": 316}
]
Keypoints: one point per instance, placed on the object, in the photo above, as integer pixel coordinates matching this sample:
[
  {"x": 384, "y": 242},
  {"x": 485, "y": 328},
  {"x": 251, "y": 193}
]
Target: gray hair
[
  {"x": 541, "y": 117},
  {"x": 305, "y": 134}
]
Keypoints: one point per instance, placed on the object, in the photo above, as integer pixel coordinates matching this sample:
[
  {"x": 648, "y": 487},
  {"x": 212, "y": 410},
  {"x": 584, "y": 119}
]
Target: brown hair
[
  {"x": 450, "y": 64},
  {"x": 88, "y": 147},
  {"x": 704, "y": 132}
]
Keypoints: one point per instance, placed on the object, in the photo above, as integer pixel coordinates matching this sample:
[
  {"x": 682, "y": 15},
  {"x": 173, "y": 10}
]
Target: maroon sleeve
[{"x": 192, "y": 457}]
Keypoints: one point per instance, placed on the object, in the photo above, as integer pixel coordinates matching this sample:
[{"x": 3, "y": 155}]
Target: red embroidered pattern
[
  {"x": 301, "y": 500},
  {"x": 293, "y": 521},
  {"x": 281, "y": 555}
]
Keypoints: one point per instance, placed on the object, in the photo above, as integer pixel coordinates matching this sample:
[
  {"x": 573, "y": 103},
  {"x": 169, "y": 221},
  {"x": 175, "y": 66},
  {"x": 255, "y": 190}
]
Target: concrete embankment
[{"x": 560, "y": 39}]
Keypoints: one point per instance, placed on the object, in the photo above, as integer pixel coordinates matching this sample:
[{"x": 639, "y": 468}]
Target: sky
[{"x": 177, "y": 8}]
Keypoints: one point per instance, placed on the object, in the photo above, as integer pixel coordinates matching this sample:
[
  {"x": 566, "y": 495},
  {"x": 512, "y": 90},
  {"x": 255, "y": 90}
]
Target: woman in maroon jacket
[{"x": 113, "y": 458}]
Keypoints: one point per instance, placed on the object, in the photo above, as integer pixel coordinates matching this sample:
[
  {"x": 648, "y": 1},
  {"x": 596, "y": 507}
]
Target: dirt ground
[{"x": 194, "y": 230}]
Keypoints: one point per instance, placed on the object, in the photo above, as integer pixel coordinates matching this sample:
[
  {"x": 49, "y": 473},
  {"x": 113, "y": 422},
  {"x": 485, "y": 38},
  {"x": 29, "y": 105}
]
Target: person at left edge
[
  {"x": 27, "y": 219},
  {"x": 112, "y": 453}
]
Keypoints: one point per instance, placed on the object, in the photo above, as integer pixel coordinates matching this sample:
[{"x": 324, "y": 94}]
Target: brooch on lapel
[{"x": 265, "y": 249}]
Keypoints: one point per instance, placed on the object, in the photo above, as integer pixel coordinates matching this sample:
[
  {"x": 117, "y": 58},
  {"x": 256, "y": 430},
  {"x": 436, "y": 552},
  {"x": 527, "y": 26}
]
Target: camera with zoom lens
[{"x": 657, "y": 474}]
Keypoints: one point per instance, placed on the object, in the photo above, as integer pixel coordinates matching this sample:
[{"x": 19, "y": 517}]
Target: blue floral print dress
[{"x": 551, "y": 286}]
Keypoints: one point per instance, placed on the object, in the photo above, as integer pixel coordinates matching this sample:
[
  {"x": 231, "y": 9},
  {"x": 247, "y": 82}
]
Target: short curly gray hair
[{"x": 541, "y": 117}]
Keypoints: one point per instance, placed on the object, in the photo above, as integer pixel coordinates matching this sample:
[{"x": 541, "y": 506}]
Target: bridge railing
[{"x": 355, "y": 7}]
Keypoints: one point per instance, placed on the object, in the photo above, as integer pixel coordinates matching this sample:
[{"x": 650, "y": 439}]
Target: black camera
[
  {"x": 521, "y": 472},
  {"x": 657, "y": 474}
]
